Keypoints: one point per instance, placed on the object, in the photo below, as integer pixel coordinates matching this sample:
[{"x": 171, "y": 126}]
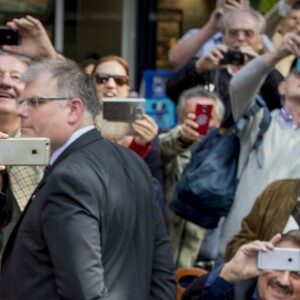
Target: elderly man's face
[
  {"x": 11, "y": 69},
  {"x": 243, "y": 30},
  {"x": 280, "y": 285}
]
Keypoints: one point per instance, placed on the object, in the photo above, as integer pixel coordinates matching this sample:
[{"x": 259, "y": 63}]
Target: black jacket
[
  {"x": 187, "y": 77},
  {"x": 91, "y": 230}
]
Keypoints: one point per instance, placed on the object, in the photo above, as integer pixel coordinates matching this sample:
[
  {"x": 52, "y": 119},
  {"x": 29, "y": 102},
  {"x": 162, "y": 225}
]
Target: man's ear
[
  {"x": 282, "y": 88},
  {"x": 76, "y": 110}
]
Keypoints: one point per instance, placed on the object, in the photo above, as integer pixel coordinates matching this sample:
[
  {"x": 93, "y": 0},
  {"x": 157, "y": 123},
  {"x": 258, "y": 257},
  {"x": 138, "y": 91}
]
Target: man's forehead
[
  {"x": 242, "y": 19},
  {"x": 12, "y": 63}
]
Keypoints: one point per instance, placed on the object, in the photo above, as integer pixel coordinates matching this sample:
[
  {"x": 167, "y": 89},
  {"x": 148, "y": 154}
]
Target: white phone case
[
  {"x": 25, "y": 151},
  {"x": 280, "y": 259}
]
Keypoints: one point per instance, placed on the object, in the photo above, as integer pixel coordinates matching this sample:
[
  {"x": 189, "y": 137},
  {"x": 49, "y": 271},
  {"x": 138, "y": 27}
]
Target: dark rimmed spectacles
[
  {"x": 102, "y": 78},
  {"x": 34, "y": 102}
]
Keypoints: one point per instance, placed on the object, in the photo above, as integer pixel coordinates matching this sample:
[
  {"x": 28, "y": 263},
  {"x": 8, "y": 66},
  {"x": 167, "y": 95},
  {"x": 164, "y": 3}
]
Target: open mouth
[
  {"x": 5, "y": 95},
  {"x": 109, "y": 95}
]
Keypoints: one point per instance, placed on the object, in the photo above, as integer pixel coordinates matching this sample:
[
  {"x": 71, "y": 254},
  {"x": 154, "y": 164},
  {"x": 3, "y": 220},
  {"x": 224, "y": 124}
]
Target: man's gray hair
[
  {"x": 72, "y": 82},
  {"x": 292, "y": 236},
  {"x": 258, "y": 16},
  {"x": 199, "y": 91}
]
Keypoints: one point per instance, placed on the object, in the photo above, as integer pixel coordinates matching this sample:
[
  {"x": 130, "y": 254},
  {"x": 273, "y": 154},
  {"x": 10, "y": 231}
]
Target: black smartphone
[
  {"x": 233, "y": 57},
  {"x": 9, "y": 36}
]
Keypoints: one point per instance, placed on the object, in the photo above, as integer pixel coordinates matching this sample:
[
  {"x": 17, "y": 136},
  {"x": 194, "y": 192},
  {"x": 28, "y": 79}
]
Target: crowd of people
[{"x": 96, "y": 223}]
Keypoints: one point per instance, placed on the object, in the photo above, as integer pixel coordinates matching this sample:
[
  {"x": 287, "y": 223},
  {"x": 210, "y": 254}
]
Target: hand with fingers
[
  {"x": 290, "y": 43},
  {"x": 249, "y": 53},
  {"x": 146, "y": 130},
  {"x": 244, "y": 264},
  {"x": 188, "y": 129},
  {"x": 35, "y": 42},
  {"x": 211, "y": 60}
]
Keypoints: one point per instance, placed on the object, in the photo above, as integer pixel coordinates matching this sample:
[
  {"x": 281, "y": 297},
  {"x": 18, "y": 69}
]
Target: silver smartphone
[
  {"x": 123, "y": 110},
  {"x": 280, "y": 259},
  {"x": 25, "y": 151}
]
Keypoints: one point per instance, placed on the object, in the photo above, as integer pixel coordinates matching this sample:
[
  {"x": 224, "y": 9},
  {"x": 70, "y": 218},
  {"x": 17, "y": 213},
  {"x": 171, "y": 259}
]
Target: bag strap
[{"x": 265, "y": 122}]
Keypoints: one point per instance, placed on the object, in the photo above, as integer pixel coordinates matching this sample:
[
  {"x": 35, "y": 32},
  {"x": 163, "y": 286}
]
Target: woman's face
[{"x": 111, "y": 80}]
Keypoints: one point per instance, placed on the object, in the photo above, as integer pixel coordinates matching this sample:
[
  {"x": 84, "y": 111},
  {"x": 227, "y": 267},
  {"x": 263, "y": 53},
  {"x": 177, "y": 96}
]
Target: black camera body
[
  {"x": 9, "y": 36},
  {"x": 233, "y": 57}
]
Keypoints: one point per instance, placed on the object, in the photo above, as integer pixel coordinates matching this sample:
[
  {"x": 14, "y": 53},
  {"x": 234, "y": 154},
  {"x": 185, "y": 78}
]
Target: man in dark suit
[{"x": 92, "y": 228}]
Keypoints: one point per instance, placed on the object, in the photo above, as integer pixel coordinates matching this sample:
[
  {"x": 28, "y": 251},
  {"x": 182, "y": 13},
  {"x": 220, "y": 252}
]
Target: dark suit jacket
[
  {"x": 197, "y": 290},
  {"x": 92, "y": 230}
]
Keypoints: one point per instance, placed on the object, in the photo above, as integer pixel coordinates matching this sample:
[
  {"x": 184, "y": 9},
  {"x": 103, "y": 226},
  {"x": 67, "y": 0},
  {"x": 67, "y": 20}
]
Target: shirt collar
[
  {"x": 75, "y": 135},
  {"x": 218, "y": 37},
  {"x": 255, "y": 294},
  {"x": 288, "y": 119}
]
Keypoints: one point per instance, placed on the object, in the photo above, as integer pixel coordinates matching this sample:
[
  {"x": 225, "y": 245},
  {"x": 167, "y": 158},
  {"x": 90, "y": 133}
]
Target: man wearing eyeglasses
[{"x": 92, "y": 228}]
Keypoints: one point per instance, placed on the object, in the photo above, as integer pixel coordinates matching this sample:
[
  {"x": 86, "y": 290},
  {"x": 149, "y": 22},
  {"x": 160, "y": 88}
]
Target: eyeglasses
[
  {"x": 102, "y": 78},
  {"x": 296, "y": 73},
  {"x": 34, "y": 102}
]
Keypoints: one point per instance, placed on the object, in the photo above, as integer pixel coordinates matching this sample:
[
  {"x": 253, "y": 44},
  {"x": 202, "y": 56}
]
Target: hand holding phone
[
  {"x": 9, "y": 36},
  {"x": 203, "y": 115}
]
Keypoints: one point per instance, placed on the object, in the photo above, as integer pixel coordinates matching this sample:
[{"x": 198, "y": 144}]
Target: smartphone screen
[{"x": 203, "y": 115}]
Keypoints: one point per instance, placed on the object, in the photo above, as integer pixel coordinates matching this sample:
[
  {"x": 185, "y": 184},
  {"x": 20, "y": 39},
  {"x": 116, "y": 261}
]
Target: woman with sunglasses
[{"x": 111, "y": 75}]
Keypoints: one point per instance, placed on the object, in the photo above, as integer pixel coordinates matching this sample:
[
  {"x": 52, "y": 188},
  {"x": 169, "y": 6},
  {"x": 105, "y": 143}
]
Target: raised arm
[
  {"x": 246, "y": 83},
  {"x": 187, "y": 47},
  {"x": 35, "y": 42}
]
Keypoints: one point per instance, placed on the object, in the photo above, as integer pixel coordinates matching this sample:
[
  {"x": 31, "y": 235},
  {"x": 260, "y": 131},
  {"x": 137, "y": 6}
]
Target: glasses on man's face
[
  {"x": 102, "y": 78},
  {"x": 295, "y": 73},
  {"x": 35, "y": 102}
]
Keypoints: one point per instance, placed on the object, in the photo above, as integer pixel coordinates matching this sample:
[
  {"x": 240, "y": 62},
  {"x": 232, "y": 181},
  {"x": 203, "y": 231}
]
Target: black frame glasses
[
  {"x": 102, "y": 78},
  {"x": 35, "y": 101}
]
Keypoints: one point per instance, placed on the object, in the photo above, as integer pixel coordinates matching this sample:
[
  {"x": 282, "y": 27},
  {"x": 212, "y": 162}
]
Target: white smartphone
[
  {"x": 280, "y": 259},
  {"x": 123, "y": 110},
  {"x": 25, "y": 151}
]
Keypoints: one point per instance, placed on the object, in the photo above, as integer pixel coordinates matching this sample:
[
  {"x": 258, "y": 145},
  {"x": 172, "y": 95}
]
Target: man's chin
[{"x": 26, "y": 132}]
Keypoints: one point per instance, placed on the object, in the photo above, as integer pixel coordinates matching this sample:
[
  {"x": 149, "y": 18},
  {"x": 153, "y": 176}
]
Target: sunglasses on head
[{"x": 102, "y": 78}]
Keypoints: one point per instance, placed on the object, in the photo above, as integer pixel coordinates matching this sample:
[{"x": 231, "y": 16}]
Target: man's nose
[
  {"x": 284, "y": 278},
  {"x": 241, "y": 35},
  {"x": 6, "y": 81},
  {"x": 22, "y": 109}
]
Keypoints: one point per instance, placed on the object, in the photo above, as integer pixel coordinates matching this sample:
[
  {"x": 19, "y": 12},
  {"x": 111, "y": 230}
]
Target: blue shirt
[{"x": 217, "y": 288}]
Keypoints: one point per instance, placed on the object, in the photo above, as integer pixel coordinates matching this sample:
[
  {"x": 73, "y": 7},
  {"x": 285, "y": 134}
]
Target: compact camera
[
  {"x": 233, "y": 57},
  {"x": 9, "y": 36}
]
